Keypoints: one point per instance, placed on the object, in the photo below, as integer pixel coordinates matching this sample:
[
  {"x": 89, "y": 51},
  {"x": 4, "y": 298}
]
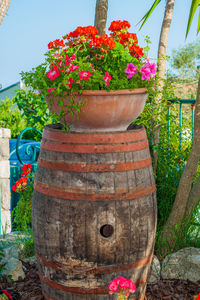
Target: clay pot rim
[{"x": 113, "y": 92}]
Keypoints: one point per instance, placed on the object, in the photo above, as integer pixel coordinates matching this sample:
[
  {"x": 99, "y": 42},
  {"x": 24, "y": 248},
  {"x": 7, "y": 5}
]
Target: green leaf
[
  {"x": 198, "y": 24},
  {"x": 193, "y": 8},
  {"x": 147, "y": 15}
]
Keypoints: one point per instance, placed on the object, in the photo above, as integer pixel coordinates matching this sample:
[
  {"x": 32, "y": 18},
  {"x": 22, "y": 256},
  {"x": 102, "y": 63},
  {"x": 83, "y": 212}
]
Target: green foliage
[
  {"x": 186, "y": 59},
  {"x": 26, "y": 244},
  {"x": 11, "y": 117},
  {"x": 33, "y": 108},
  {"x": 26, "y": 109},
  {"x": 2, "y": 265},
  {"x": 183, "y": 236}
]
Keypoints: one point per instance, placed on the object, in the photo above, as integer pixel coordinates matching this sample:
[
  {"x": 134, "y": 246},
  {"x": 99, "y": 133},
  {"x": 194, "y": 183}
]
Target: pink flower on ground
[
  {"x": 122, "y": 286},
  {"x": 85, "y": 75},
  {"x": 131, "y": 70},
  {"x": 73, "y": 68},
  {"x": 148, "y": 71},
  {"x": 53, "y": 73},
  {"x": 51, "y": 90},
  {"x": 113, "y": 286},
  {"x": 107, "y": 77},
  {"x": 132, "y": 287},
  {"x": 123, "y": 282}
]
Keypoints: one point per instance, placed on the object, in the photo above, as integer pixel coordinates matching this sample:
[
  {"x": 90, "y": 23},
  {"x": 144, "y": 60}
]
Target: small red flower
[
  {"x": 118, "y": 25},
  {"x": 56, "y": 44},
  {"x": 26, "y": 167}
]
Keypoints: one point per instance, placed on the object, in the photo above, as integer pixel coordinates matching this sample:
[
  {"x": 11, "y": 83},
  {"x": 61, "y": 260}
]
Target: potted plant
[{"x": 93, "y": 82}]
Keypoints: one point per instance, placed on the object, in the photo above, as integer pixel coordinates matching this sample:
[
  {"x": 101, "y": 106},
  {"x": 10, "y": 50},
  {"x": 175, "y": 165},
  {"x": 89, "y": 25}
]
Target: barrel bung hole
[{"x": 106, "y": 230}]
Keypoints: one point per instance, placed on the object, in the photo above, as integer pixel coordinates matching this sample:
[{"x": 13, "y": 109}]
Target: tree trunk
[
  {"x": 186, "y": 199},
  {"x": 101, "y": 15},
  {"x": 161, "y": 68},
  {"x": 4, "y": 4},
  {"x": 193, "y": 198}
]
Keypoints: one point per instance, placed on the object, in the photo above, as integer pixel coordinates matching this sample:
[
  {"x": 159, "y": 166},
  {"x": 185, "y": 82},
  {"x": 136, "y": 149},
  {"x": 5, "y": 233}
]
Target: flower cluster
[
  {"x": 87, "y": 40},
  {"x": 197, "y": 297},
  {"x": 84, "y": 60},
  {"x": 122, "y": 286},
  {"x": 5, "y": 295},
  {"x": 24, "y": 186},
  {"x": 21, "y": 184}
]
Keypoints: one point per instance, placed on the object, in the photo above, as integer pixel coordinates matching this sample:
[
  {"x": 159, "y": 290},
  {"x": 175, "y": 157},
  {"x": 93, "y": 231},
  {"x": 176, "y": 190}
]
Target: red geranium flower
[
  {"x": 26, "y": 167},
  {"x": 118, "y": 25},
  {"x": 56, "y": 44}
]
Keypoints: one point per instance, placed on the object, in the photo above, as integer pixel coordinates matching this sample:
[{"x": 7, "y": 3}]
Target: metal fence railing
[{"x": 181, "y": 102}]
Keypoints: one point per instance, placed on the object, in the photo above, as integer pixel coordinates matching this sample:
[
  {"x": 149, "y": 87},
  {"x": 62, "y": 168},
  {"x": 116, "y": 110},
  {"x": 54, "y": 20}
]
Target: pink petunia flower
[
  {"x": 51, "y": 90},
  {"x": 53, "y": 73},
  {"x": 85, "y": 75},
  {"x": 73, "y": 57},
  {"x": 131, "y": 70},
  {"x": 73, "y": 68},
  {"x": 107, "y": 77},
  {"x": 68, "y": 59},
  {"x": 70, "y": 81},
  {"x": 148, "y": 71}
]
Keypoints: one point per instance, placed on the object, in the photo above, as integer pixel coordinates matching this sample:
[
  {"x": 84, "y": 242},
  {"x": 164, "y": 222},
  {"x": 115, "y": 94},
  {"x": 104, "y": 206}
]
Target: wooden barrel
[{"x": 94, "y": 212}]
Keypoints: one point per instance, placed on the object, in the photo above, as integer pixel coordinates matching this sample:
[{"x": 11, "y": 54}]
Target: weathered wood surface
[{"x": 78, "y": 192}]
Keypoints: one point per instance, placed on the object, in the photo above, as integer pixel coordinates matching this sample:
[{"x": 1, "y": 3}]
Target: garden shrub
[
  {"x": 34, "y": 110},
  {"x": 11, "y": 117},
  {"x": 171, "y": 161}
]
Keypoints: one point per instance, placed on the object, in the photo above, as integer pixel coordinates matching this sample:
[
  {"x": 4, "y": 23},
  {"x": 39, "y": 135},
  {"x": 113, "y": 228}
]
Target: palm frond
[
  {"x": 147, "y": 15},
  {"x": 193, "y": 8}
]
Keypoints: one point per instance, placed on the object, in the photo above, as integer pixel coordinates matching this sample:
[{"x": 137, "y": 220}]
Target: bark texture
[
  {"x": 4, "y": 5},
  {"x": 101, "y": 15}
]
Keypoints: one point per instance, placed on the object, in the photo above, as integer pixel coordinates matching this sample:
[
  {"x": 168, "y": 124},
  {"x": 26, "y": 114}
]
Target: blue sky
[{"x": 31, "y": 24}]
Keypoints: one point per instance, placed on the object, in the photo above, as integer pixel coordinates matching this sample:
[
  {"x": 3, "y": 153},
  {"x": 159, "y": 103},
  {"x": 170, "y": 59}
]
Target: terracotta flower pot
[{"x": 103, "y": 111}]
